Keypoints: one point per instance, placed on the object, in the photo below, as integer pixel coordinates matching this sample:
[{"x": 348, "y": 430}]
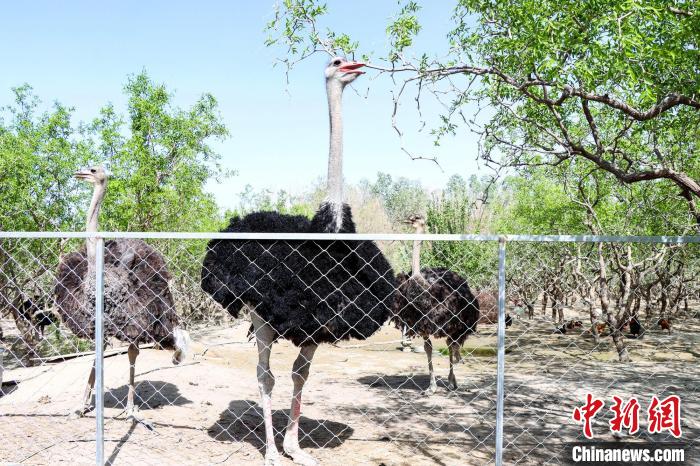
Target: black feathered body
[
  {"x": 636, "y": 327},
  {"x": 138, "y": 305},
  {"x": 308, "y": 291},
  {"x": 438, "y": 303}
]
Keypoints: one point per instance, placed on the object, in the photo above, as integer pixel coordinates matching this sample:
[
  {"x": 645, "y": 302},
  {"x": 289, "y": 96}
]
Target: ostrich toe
[
  {"x": 272, "y": 459},
  {"x": 79, "y": 412},
  {"x": 136, "y": 418},
  {"x": 430, "y": 390},
  {"x": 299, "y": 456}
]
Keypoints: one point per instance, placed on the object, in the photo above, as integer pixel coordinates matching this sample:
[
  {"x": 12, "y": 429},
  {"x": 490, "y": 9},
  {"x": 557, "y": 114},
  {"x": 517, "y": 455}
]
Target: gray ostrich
[
  {"x": 138, "y": 305},
  {"x": 434, "y": 302},
  {"x": 308, "y": 292}
]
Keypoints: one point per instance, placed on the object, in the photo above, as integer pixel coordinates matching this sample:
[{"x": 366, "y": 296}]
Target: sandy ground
[{"x": 363, "y": 402}]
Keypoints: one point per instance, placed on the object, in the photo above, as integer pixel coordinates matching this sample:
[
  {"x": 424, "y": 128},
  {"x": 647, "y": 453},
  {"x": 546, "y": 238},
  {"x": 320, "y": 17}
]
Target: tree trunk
[
  {"x": 594, "y": 327},
  {"x": 617, "y": 338},
  {"x": 647, "y": 306},
  {"x": 605, "y": 305}
]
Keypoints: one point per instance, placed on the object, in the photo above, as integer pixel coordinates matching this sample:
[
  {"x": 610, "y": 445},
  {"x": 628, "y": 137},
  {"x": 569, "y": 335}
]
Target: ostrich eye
[
  {"x": 336, "y": 63},
  {"x": 93, "y": 170}
]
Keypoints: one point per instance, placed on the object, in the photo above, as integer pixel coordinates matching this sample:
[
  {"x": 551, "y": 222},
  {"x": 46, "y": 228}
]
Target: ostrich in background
[
  {"x": 435, "y": 302},
  {"x": 308, "y": 292},
  {"x": 138, "y": 306}
]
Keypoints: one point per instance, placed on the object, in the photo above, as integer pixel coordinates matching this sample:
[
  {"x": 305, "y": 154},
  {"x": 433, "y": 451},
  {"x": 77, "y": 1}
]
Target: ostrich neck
[
  {"x": 334, "y": 89},
  {"x": 415, "y": 263},
  {"x": 91, "y": 225}
]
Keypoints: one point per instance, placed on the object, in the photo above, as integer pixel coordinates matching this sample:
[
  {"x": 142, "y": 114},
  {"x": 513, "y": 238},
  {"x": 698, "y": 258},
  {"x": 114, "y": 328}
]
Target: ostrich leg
[
  {"x": 86, "y": 406},
  {"x": 405, "y": 341},
  {"x": 429, "y": 352},
  {"x": 265, "y": 336},
  {"x": 454, "y": 359},
  {"x": 300, "y": 373},
  {"x": 131, "y": 409}
]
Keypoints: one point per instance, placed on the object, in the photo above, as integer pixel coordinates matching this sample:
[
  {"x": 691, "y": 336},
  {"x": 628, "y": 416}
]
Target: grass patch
[{"x": 56, "y": 342}]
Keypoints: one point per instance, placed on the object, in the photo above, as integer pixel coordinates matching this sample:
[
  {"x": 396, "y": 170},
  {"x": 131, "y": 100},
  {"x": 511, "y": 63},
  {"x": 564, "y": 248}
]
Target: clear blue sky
[{"x": 81, "y": 52}]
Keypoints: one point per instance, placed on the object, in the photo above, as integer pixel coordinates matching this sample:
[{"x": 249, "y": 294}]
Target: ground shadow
[
  {"x": 150, "y": 394},
  {"x": 7, "y": 387},
  {"x": 122, "y": 441},
  {"x": 243, "y": 422},
  {"x": 417, "y": 383}
]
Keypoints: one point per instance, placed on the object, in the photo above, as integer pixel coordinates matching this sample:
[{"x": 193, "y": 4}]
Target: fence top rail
[{"x": 351, "y": 237}]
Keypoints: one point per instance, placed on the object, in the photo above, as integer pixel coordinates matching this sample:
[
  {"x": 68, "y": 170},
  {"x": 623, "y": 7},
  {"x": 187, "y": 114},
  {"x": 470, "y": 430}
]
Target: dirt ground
[{"x": 363, "y": 401}]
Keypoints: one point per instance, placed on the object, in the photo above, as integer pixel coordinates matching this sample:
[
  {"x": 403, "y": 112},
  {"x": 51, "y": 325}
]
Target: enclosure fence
[{"x": 556, "y": 318}]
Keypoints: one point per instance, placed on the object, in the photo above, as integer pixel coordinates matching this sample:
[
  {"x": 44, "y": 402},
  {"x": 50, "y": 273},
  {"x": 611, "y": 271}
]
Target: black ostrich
[
  {"x": 33, "y": 310},
  {"x": 308, "y": 292},
  {"x": 636, "y": 328},
  {"x": 509, "y": 320},
  {"x": 138, "y": 306},
  {"x": 435, "y": 302}
]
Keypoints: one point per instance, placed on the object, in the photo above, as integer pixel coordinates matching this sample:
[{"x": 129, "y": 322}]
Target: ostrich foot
[
  {"x": 80, "y": 412},
  {"x": 430, "y": 390},
  {"x": 272, "y": 458},
  {"x": 452, "y": 382},
  {"x": 298, "y": 455},
  {"x": 137, "y": 419}
]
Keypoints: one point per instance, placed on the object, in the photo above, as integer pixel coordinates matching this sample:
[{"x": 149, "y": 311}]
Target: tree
[
  {"x": 161, "y": 159},
  {"x": 401, "y": 197},
  {"x": 609, "y": 85},
  {"x": 38, "y": 154}
]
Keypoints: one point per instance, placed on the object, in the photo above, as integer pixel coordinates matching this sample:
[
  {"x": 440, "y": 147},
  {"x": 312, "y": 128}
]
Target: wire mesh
[{"x": 365, "y": 401}]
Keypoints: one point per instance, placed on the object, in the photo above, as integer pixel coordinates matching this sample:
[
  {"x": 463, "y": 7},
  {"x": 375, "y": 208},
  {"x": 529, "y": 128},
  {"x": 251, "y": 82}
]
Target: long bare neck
[
  {"x": 415, "y": 262},
  {"x": 91, "y": 224},
  {"x": 334, "y": 89}
]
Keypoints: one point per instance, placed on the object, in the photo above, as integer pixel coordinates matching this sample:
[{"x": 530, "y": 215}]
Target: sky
[{"x": 80, "y": 53}]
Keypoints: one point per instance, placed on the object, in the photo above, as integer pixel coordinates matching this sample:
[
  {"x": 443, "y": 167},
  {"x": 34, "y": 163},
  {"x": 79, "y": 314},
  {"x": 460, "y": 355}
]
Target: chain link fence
[{"x": 527, "y": 325}]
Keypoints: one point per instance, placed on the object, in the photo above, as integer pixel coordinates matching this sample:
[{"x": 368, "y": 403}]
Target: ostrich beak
[
  {"x": 352, "y": 67},
  {"x": 81, "y": 174}
]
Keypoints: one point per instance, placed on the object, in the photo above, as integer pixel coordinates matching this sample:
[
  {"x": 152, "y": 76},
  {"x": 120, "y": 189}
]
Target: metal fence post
[
  {"x": 500, "y": 376},
  {"x": 99, "y": 352}
]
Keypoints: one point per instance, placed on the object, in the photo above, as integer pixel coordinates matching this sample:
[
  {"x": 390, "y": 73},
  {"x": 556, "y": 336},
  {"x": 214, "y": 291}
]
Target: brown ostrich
[
  {"x": 138, "y": 305},
  {"x": 435, "y": 302}
]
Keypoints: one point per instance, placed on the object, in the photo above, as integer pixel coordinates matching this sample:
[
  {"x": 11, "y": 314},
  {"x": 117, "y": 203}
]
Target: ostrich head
[
  {"x": 342, "y": 71},
  {"x": 339, "y": 73},
  {"x": 96, "y": 175},
  {"x": 417, "y": 221}
]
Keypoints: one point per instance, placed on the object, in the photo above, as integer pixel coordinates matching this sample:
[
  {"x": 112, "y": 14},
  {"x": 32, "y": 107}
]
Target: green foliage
[
  {"x": 609, "y": 86},
  {"x": 160, "y": 158},
  {"x": 252, "y": 200},
  {"x": 55, "y": 342},
  {"x": 453, "y": 211},
  {"x": 402, "y": 30},
  {"x": 539, "y": 206},
  {"x": 401, "y": 198},
  {"x": 38, "y": 154}
]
